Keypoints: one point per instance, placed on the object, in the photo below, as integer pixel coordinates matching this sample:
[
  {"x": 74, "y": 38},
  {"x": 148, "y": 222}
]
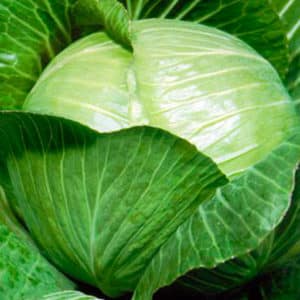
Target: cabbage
[{"x": 144, "y": 143}]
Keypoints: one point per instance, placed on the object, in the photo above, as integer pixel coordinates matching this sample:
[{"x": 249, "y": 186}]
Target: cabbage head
[{"x": 144, "y": 143}]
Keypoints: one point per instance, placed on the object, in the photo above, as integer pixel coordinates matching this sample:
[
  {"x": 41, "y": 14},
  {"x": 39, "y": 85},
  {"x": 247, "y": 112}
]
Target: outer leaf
[
  {"x": 289, "y": 12},
  {"x": 282, "y": 284},
  {"x": 109, "y": 13},
  {"x": 68, "y": 295},
  {"x": 280, "y": 247},
  {"x": 8, "y": 200},
  {"x": 226, "y": 226},
  {"x": 285, "y": 243},
  {"x": 294, "y": 78},
  {"x": 105, "y": 197},
  {"x": 254, "y": 21},
  {"x": 31, "y": 33},
  {"x": 8, "y": 218},
  {"x": 227, "y": 276},
  {"x": 24, "y": 273}
]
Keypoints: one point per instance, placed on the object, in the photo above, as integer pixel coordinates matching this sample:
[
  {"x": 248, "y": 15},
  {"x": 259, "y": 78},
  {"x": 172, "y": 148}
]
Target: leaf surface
[
  {"x": 279, "y": 249},
  {"x": 282, "y": 284},
  {"x": 289, "y": 12},
  {"x": 68, "y": 295},
  {"x": 285, "y": 243},
  {"x": 24, "y": 273},
  {"x": 227, "y": 226},
  {"x": 109, "y": 13},
  {"x": 109, "y": 201},
  {"x": 192, "y": 80},
  {"x": 254, "y": 21},
  {"x": 8, "y": 218},
  {"x": 31, "y": 33}
]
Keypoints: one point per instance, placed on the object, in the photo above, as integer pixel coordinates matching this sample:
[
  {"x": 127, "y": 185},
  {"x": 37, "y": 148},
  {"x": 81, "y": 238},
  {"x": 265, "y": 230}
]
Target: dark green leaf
[
  {"x": 24, "y": 273},
  {"x": 282, "y": 284},
  {"x": 109, "y": 13},
  {"x": 280, "y": 247},
  {"x": 285, "y": 242},
  {"x": 235, "y": 221},
  {"x": 102, "y": 204},
  {"x": 31, "y": 33},
  {"x": 289, "y": 12},
  {"x": 8, "y": 218}
]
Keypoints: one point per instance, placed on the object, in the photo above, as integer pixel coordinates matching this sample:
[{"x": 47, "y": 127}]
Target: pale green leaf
[
  {"x": 195, "y": 81},
  {"x": 68, "y": 295},
  {"x": 254, "y": 21}
]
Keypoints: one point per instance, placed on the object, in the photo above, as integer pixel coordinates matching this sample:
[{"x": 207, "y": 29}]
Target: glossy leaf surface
[
  {"x": 69, "y": 295},
  {"x": 196, "y": 82},
  {"x": 254, "y": 21}
]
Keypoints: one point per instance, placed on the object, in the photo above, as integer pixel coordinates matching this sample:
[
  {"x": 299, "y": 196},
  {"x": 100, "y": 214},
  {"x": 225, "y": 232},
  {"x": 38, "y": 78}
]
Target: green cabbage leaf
[{"x": 144, "y": 143}]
